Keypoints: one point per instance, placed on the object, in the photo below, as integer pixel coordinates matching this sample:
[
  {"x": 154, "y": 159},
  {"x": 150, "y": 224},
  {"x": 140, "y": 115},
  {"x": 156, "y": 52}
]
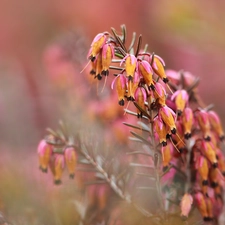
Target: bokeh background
[{"x": 43, "y": 47}]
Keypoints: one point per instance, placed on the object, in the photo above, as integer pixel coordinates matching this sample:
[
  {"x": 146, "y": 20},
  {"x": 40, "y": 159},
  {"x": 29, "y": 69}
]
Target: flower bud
[
  {"x": 97, "y": 45},
  {"x": 168, "y": 117},
  {"x": 44, "y": 152},
  {"x": 71, "y": 160},
  {"x": 185, "y": 204}
]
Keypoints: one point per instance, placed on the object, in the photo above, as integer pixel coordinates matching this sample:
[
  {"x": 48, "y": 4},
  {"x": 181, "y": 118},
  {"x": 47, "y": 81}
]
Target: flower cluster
[
  {"x": 180, "y": 134},
  {"x": 55, "y": 155}
]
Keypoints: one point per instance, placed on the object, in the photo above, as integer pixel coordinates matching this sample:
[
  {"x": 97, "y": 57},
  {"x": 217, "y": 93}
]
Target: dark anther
[
  {"x": 92, "y": 58},
  {"x": 164, "y": 143},
  {"x": 179, "y": 112},
  {"x": 72, "y": 176},
  {"x": 223, "y": 173},
  {"x": 187, "y": 136},
  {"x": 105, "y": 72},
  {"x": 130, "y": 78},
  {"x": 165, "y": 80},
  {"x": 99, "y": 77},
  {"x": 121, "y": 102},
  {"x": 207, "y": 138},
  {"x": 168, "y": 136},
  {"x": 173, "y": 131},
  {"x": 205, "y": 182},
  {"x": 152, "y": 87},
  {"x": 222, "y": 137},
  {"x": 215, "y": 165},
  {"x": 214, "y": 184},
  {"x": 130, "y": 98},
  {"x": 93, "y": 72},
  {"x": 57, "y": 182}
]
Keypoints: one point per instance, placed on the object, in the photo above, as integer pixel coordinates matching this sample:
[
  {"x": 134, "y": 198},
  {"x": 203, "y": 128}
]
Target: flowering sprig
[{"x": 181, "y": 138}]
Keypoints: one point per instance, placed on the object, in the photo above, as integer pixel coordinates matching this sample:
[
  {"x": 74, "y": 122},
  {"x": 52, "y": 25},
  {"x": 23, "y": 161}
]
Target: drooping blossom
[{"x": 96, "y": 45}]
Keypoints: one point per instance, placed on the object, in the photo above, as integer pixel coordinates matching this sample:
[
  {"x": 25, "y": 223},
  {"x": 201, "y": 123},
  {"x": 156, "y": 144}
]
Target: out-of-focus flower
[
  {"x": 44, "y": 152},
  {"x": 201, "y": 205},
  {"x": 201, "y": 164},
  {"x": 167, "y": 153},
  {"x": 58, "y": 167},
  {"x": 216, "y": 124},
  {"x": 185, "y": 204},
  {"x": 71, "y": 160},
  {"x": 209, "y": 151},
  {"x": 203, "y": 122}
]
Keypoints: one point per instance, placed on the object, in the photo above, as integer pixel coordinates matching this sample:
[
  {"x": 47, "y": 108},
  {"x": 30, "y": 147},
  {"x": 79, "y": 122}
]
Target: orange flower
[
  {"x": 120, "y": 88},
  {"x": 158, "y": 67},
  {"x": 202, "y": 206},
  {"x": 203, "y": 122},
  {"x": 97, "y": 44},
  {"x": 167, "y": 153},
  {"x": 146, "y": 71},
  {"x": 187, "y": 119},
  {"x": 168, "y": 117},
  {"x": 140, "y": 97},
  {"x": 208, "y": 149},
  {"x": 159, "y": 94},
  {"x": 181, "y": 99},
  {"x": 160, "y": 130},
  {"x": 59, "y": 164},
  {"x": 130, "y": 65},
  {"x": 107, "y": 56}
]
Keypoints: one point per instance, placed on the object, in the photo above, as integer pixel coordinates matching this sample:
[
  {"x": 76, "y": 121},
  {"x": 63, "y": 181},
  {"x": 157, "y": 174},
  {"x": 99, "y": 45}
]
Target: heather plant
[{"x": 169, "y": 170}]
